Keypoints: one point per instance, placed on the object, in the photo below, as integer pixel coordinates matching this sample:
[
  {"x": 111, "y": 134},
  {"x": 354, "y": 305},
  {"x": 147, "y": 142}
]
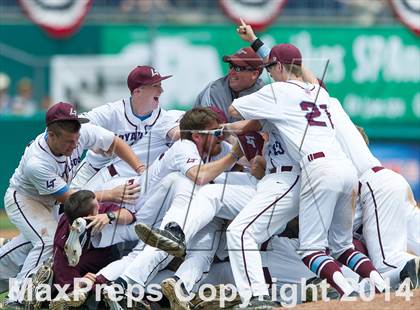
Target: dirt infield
[{"x": 379, "y": 303}]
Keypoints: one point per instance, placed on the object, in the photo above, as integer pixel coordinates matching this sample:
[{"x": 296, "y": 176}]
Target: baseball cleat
[
  {"x": 171, "y": 239},
  {"x": 72, "y": 301},
  {"x": 75, "y": 241},
  {"x": 115, "y": 301},
  {"x": 43, "y": 276},
  {"x": 11, "y": 304},
  {"x": 173, "y": 292},
  {"x": 260, "y": 303},
  {"x": 109, "y": 297},
  {"x": 216, "y": 302},
  {"x": 411, "y": 270}
]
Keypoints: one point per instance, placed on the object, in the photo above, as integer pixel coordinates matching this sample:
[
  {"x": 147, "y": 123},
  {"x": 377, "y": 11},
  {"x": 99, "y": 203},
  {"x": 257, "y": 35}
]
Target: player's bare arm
[
  {"x": 203, "y": 174},
  {"x": 243, "y": 127},
  {"x": 99, "y": 221},
  {"x": 234, "y": 113},
  {"x": 174, "y": 134},
  {"x": 124, "y": 152},
  {"x": 120, "y": 194}
]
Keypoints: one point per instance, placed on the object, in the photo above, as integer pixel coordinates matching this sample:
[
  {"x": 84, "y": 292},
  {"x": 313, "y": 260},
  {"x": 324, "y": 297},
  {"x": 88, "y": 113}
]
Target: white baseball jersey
[
  {"x": 274, "y": 151},
  {"x": 40, "y": 173},
  {"x": 292, "y": 107},
  {"x": 384, "y": 198},
  {"x": 351, "y": 140},
  {"x": 147, "y": 137},
  {"x": 182, "y": 156}
]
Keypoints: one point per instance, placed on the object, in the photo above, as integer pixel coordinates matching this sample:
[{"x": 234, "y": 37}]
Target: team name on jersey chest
[
  {"x": 73, "y": 162},
  {"x": 134, "y": 136}
]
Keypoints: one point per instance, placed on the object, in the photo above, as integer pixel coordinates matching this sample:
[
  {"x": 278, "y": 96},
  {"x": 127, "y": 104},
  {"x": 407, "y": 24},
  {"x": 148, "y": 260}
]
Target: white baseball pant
[
  {"x": 185, "y": 210},
  {"x": 37, "y": 225},
  {"x": 274, "y": 204},
  {"x": 327, "y": 200},
  {"x": 386, "y": 208}
]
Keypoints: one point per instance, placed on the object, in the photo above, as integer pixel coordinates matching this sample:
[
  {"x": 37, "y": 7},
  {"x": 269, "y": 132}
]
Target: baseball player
[
  {"x": 328, "y": 185},
  {"x": 242, "y": 79},
  {"x": 184, "y": 156},
  {"x": 194, "y": 145},
  {"x": 42, "y": 179},
  {"x": 227, "y": 200},
  {"x": 386, "y": 203},
  {"x": 82, "y": 208},
  {"x": 138, "y": 120}
]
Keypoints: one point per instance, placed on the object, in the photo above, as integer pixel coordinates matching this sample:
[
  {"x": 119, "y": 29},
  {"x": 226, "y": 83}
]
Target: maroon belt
[
  {"x": 112, "y": 170},
  {"x": 377, "y": 168},
  {"x": 282, "y": 169},
  {"x": 286, "y": 168},
  {"x": 314, "y": 156}
]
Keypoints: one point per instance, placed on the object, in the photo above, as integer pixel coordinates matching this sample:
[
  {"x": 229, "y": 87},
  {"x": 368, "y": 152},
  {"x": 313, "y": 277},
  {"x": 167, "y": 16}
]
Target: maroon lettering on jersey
[
  {"x": 251, "y": 144},
  {"x": 191, "y": 160}
]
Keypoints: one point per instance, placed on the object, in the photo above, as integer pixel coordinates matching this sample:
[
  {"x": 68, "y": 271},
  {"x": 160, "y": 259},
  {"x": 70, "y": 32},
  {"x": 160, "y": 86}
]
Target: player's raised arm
[
  {"x": 203, "y": 174},
  {"x": 241, "y": 127},
  {"x": 123, "y": 151},
  {"x": 247, "y": 34}
]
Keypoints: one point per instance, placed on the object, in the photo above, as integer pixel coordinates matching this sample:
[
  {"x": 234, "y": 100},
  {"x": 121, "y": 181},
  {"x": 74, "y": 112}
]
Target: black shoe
[
  {"x": 171, "y": 239},
  {"x": 260, "y": 303},
  {"x": 411, "y": 270}
]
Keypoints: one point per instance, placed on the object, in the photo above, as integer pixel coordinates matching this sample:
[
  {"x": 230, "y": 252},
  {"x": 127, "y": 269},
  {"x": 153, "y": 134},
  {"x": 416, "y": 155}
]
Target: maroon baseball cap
[
  {"x": 245, "y": 57},
  {"x": 285, "y": 54},
  {"x": 63, "y": 112},
  {"x": 144, "y": 75}
]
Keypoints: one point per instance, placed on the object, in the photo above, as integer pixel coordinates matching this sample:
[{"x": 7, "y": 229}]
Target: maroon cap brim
[
  {"x": 157, "y": 79},
  {"x": 81, "y": 120},
  {"x": 236, "y": 61}
]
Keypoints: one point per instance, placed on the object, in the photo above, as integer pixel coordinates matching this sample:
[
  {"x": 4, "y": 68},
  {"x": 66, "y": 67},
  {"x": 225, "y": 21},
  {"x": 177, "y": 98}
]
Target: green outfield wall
[{"x": 375, "y": 71}]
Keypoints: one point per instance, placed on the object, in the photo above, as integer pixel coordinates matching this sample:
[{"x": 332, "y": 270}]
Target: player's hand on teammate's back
[
  {"x": 237, "y": 150},
  {"x": 127, "y": 193},
  {"x": 258, "y": 165},
  {"x": 245, "y": 32},
  {"x": 97, "y": 222}
]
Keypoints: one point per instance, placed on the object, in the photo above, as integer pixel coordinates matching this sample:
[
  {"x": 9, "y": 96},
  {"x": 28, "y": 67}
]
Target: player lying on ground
[{"x": 83, "y": 217}]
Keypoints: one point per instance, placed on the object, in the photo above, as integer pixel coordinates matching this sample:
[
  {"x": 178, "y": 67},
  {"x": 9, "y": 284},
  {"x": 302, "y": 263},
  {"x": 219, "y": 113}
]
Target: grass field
[{"x": 7, "y": 229}]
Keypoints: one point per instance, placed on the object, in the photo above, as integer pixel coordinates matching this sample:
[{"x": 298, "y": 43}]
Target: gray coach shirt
[{"x": 218, "y": 93}]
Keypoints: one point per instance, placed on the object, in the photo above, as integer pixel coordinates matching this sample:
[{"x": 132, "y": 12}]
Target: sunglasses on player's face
[
  {"x": 214, "y": 132},
  {"x": 239, "y": 68}
]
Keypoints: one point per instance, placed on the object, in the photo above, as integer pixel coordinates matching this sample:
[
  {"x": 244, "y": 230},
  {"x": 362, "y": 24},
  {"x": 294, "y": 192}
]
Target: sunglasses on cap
[
  {"x": 214, "y": 132},
  {"x": 239, "y": 68}
]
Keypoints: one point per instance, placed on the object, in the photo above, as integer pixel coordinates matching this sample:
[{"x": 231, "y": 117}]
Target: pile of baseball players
[{"x": 255, "y": 188}]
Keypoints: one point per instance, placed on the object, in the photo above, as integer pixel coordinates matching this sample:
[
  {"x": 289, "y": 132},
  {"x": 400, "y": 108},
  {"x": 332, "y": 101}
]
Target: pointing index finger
[{"x": 242, "y": 22}]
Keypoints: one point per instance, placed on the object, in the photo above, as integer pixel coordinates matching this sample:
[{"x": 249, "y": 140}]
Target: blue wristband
[{"x": 263, "y": 51}]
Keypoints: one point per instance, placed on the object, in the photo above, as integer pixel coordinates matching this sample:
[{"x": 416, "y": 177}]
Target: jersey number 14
[{"x": 314, "y": 112}]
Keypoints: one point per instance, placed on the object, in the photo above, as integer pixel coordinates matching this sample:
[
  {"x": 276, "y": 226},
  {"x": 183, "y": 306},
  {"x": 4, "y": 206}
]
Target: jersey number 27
[{"x": 314, "y": 112}]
